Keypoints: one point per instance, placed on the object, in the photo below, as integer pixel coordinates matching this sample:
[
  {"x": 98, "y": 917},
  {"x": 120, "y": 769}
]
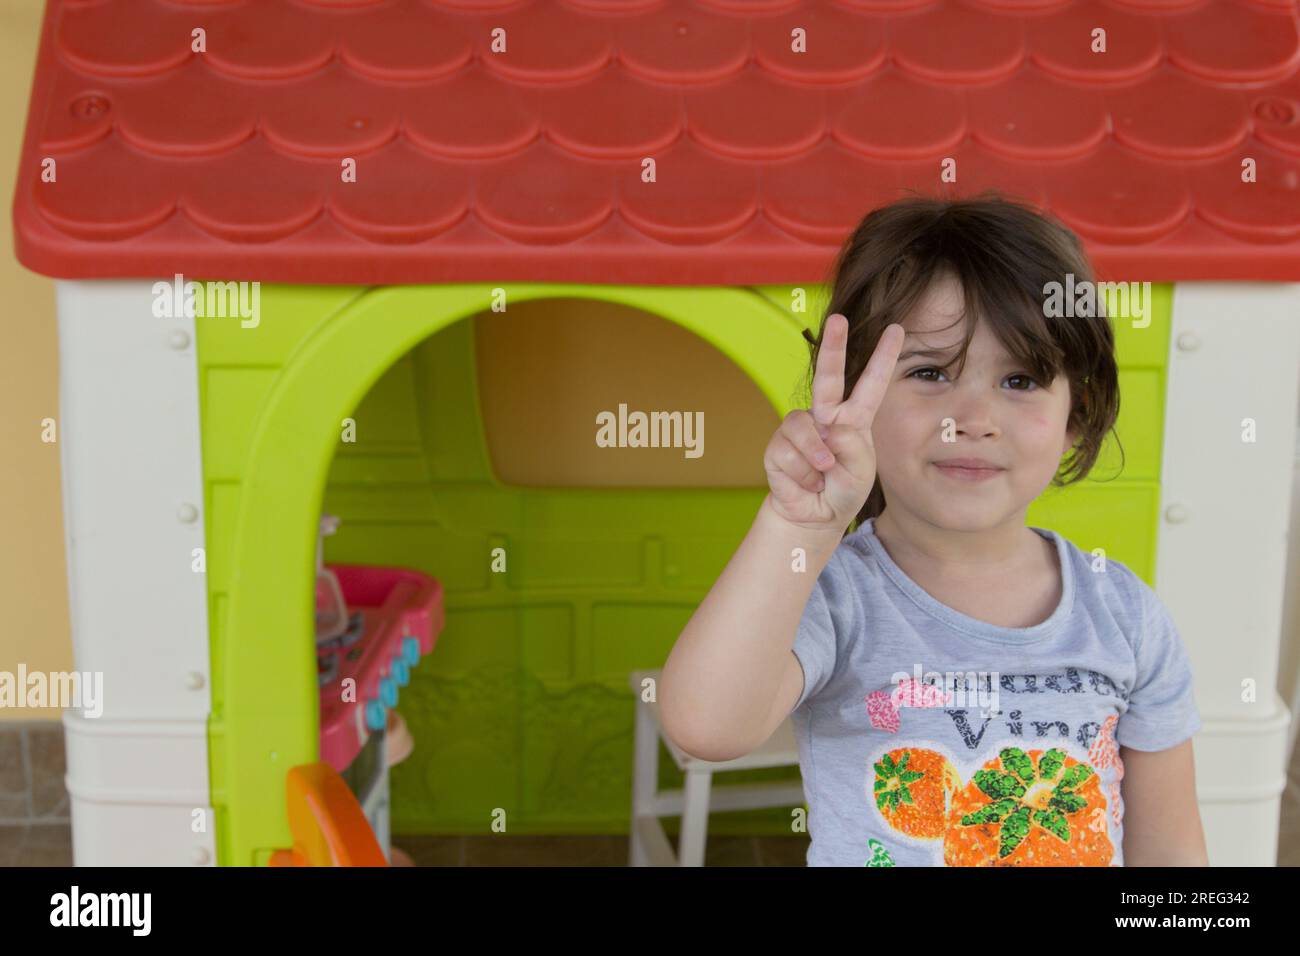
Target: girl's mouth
[{"x": 967, "y": 474}]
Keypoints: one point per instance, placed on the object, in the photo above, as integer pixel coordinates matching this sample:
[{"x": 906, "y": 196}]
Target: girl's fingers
[
  {"x": 785, "y": 457},
  {"x": 853, "y": 454},
  {"x": 803, "y": 432},
  {"x": 828, "y": 379},
  {"x": 861, "y": 407},
  {"x": 784, "y": 488}
]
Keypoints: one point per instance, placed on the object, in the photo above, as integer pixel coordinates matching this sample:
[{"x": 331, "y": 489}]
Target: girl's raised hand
[{"x": 821, "y": 463}]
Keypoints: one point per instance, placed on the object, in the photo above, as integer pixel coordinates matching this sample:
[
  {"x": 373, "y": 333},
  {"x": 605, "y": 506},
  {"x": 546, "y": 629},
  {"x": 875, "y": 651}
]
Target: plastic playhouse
[{"x": 470, "y": 221}]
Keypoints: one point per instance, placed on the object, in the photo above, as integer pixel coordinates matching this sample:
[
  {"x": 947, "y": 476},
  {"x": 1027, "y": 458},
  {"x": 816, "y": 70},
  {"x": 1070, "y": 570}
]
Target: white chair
[{"x": 649, "y": 843}]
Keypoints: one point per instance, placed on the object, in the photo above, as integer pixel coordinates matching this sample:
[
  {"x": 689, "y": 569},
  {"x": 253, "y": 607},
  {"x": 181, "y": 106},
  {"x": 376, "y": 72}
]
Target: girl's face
[{"x": 992, "y": 411}]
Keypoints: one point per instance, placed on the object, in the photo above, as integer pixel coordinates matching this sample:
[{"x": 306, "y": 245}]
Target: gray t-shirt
[{"x": 930, "y": 738}]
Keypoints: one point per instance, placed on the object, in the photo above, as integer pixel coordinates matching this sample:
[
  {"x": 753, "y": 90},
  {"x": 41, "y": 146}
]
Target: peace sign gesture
[{"x": 821, "y": 464}]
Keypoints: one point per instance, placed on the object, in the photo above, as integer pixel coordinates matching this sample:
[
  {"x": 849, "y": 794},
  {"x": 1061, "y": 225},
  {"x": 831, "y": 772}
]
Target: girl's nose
[
  {"x": 976, "y": 427},
  {"x": 972, "y": 411}
]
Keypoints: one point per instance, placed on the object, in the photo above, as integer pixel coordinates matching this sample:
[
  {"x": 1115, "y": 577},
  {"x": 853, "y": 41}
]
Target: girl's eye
[
  {"x": 927, "y": 368},
  {"x": 922, "y": 373},
  {"x": 1025, "y": 378}
]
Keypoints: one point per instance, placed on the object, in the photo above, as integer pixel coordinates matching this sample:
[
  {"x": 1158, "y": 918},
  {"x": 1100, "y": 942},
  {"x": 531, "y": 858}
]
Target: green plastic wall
[{"x": 524, "y": 705}]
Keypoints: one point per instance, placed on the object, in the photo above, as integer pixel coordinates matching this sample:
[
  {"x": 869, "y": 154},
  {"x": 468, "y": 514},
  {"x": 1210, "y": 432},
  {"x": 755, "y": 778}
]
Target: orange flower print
[
  {"x": 1103, "y": 755},
  {"x": 912, "y": 789},
  {"x": 1030, "y": 808}
]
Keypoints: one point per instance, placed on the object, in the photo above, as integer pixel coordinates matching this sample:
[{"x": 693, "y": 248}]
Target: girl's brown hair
[{"x": 1004, "y": 254}]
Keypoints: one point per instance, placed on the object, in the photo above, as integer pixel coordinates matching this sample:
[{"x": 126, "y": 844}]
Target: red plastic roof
[{"x": 475, "y": 165}]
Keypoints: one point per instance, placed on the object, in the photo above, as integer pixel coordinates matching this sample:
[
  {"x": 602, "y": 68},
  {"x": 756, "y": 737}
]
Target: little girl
[{"x": 965, "y": 690}]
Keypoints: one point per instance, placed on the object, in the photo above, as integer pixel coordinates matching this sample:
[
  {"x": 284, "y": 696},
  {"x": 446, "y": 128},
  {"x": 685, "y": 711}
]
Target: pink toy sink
[{"x": 400, "y": 616}]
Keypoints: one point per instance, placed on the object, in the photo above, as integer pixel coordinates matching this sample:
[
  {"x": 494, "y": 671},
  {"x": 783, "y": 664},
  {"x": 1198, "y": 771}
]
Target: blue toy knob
[
  {"x": 401, "y": 673},
  {"x": 376, "y": 718},
  {"x": 388, "y": 691},
  {"x": 411, "y": 650}
]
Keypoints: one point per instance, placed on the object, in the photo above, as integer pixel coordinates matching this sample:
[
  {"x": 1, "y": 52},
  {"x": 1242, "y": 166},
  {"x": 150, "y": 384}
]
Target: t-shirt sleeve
[
  {"x": 1161, "y": 710},
  {"x": 828, "y": 614}
]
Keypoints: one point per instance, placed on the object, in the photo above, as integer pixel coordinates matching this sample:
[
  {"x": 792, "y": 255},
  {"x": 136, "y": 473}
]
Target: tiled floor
[
  {"x": 42, "y": 844},
  {"x": 31, "y": 773}
]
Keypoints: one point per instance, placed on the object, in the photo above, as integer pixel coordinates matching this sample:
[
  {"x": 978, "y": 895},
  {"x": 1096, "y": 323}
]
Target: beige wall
[
  {"x": 33, "y": 581},
  {"x": 545, "y": 368}
]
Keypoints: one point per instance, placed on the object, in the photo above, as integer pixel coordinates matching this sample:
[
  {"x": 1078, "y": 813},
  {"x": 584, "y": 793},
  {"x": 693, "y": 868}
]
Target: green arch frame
[{"x": 313, "y": 357}]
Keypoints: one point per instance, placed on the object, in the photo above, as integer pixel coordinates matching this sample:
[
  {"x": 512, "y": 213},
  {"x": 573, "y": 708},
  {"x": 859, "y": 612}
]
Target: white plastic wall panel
[
  {"x": 1225, "y": 500},
  {"x": 133, "y": 517}
]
